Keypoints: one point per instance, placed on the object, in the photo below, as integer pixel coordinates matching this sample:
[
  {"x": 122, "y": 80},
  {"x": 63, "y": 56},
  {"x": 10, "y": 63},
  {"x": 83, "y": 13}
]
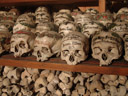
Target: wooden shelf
[{"x": 89, "y": 66}]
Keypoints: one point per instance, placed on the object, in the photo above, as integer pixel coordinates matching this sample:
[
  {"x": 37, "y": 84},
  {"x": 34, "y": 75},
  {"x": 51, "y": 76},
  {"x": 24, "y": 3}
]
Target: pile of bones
[
  {"x": 16, "y": 81},
  {"x": 70, "y": 35}
]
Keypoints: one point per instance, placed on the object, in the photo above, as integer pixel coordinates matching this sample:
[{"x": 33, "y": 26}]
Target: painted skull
[
  {"x": 105, "y": 18},
  {"x": 106, "y": 46},
  {"x": 46, "y": 45},
  {"x": 67, "y": 27},
  {"x": 42, "y": 15},
  {"x": 22, "y": 43},
  {"x": 44, "y": 27},
  {"x": 61, "y": 17},
  {"x": 5, "y": 37},
  {"x": 81, "y": 19},
  {"x": 120, "y": 28},
  {"x": 90, "y": 28},
  {"x": 91, "y": 11},
  {"x": 74, "y": 48}
]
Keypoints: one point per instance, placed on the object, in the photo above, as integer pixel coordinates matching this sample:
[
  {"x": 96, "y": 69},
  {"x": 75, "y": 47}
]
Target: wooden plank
[{"x": 90, "y": 66}]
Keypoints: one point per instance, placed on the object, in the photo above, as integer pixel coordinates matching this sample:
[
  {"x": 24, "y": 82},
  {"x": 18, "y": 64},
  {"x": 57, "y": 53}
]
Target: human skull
[
  {"x": 75, "y": 12},
  {"x": 105, "y": 18},
  {"x": 120, "y": 28},
  {"x": 44, "y": 27},
  {"x": 61, "y": 17},
  {"x": 81, "y": 19},
  {"x": 126, "y": 46},
  {"x": 90, "y": 28},
  {"x": 123, "y": 10},
  {"x": 42, "y": 15},
  {"x": 5, "y": 37},
  {"x": 67, "y": 27},
  {"x": 22, "y": 43},
  {"x": 46, "y": 45},
  {"x": 106, "y": 46},
  {"x": 91, "y": 11},
  {"x": 122, "y": 17},
  {"x": 74, "y": 48},
  {"x": 67, "y": 11}
]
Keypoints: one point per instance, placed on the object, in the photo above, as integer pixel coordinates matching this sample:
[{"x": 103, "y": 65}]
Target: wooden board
[{"x": 89, "y": 66}]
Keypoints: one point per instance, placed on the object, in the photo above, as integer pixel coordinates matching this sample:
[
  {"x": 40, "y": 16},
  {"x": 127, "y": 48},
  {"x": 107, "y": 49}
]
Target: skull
[
  {"x": 81, "y": 19},
  {"x": 67, "y": 11},
  {"x": 75, "y": 13},
  {"x": 46, "y": 45},
  {"x": 90, "y": 28},
  {"x": 120, "y": 28},
  {"x": 22, "y": 43},
  {"x": 67, "y": 27},
  {"x": 74, "y": 48},
  {"x": 122, "y": 17},
  {"x": 123, "y": 10},
  {"x": 105, "y": 18},
  {"x": 61, "y": 17},
  {"x": 44, "y": 27},
  {"x": 5, "y": 37},
  {"x": 91, "y": 11},
  {"x": 42, "y": 15},
  {"x": 106, "y": 46},
  {"x": 126, "y": 46}
]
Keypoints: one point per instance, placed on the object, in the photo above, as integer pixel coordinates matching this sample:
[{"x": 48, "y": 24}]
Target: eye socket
[
  {"x": 77, "y": 53},
  {"x": 110, "y": 49},
  {"x": 22, "y": 44},
  {"x": 44, "y": 50},
  {"x": 65, "y": 52},
  {"x": 97, "y": 50}
]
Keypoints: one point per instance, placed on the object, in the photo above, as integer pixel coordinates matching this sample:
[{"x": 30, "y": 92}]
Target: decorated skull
[
  {"x": 67, "y": 27},
  {"x": 61, "y": 17},
  {"x": 75, "y": 12},
  {"x": 81, "y": 19},
  {"x": 46, "y": 45},
  {"x": 105, "y": 18},
  {"x": 42, "y": 15},
  {"x": 5, "y": 37},
  {"x": 125, "y": 38},
  {"x": 120, "y": 28},
  {"x": 90, "y": 28},
  {"x": 106, "y": 46},
  {"x": 22, "y": 43},
  {"x": 123, "y": 10},
  {"x": 74, "y": 48},
  {"x": 91, "y": 11},
  {"x": 44, "y": 27}
]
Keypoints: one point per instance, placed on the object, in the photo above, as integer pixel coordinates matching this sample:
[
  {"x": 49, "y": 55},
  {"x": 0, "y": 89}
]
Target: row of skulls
[{"x": 36, "y": 33}]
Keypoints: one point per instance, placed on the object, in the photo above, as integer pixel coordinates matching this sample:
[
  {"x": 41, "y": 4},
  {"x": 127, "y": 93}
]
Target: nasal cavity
[
  {"x": 104, "y": 57},
  {"x": 38, "y": 54},
  {"x": 16, "y": 49},
  {"x": 71, "y": 58}
]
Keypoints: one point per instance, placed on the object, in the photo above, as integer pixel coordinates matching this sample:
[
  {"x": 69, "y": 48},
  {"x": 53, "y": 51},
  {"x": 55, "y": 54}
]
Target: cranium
[
  {"x": 123, "y": 10},
  {"x": 91, "y": 11},
  {"x": 105, "y": 18},
  {"x": 67, "y": 11},
  {"x": 42, "y": 15},
  {"x": 61, "y": 17},
  {"x": 90, "y": 28},
  {"x": 81, "y": 19},
  {"x": 106, "y": 46},
  {"x": 74, "y": 48},
  {"x": 46, "y": 45},
  {"x": 5, "y": 37},
  {"x": 43, "y": 27},
  {"x": 22, "y": 43},
  {"x": 125, "y": 38},
  {"x": 122, "y": 17},
  {"x": 67, "y": 27}
]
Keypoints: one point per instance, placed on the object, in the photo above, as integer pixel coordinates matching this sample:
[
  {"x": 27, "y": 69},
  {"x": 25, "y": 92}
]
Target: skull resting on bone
[
  {"x": 74, "y": 48},
  {"x": 67, "y": 27},
  {"x": 106, "y": 46},
  {"x": 5, "y": 37},
  {"x": 46, "y": 45},
  {"x": 22, "y": 43}
]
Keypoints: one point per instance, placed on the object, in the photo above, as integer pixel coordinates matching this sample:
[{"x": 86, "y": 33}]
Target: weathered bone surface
[
  {"x": 106, "y": 46},
  {"x": 74, "y": 48},
  {"x": 22, "y": 43},
  {"x": 91, "y": 11},
  {"x": 46, "y": 45}
]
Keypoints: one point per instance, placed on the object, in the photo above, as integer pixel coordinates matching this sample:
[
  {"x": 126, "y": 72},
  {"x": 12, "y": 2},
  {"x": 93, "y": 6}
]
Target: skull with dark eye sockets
[
  {"x": 74, "y": 48},
  {"x": 106, "y": 46}
]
